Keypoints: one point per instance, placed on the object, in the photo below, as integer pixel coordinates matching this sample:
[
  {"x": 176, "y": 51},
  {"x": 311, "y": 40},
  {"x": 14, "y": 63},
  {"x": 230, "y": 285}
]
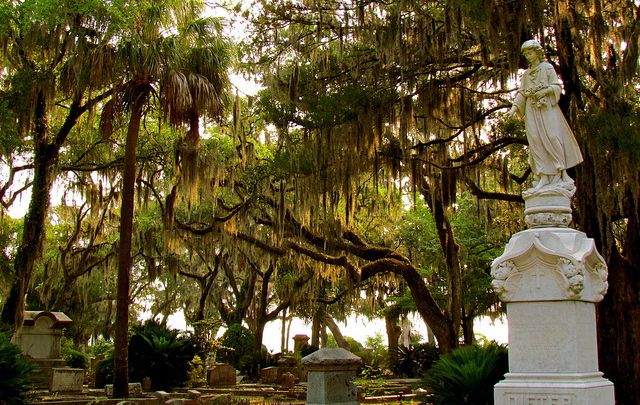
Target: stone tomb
[
  {"x": 66, "y": 380},
  {"x": 39, "y": 339},
  {"x": 331, "y": 375}
]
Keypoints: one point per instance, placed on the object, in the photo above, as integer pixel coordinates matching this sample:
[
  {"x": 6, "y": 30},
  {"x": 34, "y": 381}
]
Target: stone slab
[
  {"x": 66, "y": 380},
  {"x": 135, "y": 389}
]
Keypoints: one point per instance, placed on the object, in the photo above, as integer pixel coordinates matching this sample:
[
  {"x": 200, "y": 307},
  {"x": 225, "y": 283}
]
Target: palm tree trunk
[{"x": 121, "y": 353}]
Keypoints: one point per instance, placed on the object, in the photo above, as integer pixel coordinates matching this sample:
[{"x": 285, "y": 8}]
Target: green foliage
[
  {"x": 160, "y": 353},
  {"x": 617, "y": 131},
  {"x": 242, "y": 345},
  {"x": 413, "y": 361},
  {"x": 104, "y": 371},
  {"x": 307, "y": 349},
  {"x": 466, "y": 375},
  {"x": 76, "y": 359},
  {"x": 354, "y": 345},
  {"x": 101, "y": 348},
  {"x": 197, "y": 372},
  {"x": 374, "y": 356},
  {"x": 14, "y": 369}
]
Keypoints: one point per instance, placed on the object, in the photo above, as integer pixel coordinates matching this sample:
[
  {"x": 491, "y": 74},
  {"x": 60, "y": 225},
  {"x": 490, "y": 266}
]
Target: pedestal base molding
[{"x": 554, "y": 389}]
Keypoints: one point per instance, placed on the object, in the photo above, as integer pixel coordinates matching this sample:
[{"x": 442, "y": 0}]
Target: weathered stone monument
[
  {"x": 331, "y": 375},
  {"x": 39, "y": 339},
  {"x": 299, "y": 341},
  {"x": 221, "y": 375},
  {"x": 550, "y": 276}
]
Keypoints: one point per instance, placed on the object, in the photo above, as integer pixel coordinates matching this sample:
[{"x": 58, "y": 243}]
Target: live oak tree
[
  {"x": 413, "y": 81},
  {"x": 53, "y": 56}
]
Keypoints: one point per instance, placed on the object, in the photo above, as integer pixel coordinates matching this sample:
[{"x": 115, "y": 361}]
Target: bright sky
[{"x": 360, "y": 328}]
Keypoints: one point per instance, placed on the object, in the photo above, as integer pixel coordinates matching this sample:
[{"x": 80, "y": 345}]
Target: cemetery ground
[{"x": 165, "y": 367}]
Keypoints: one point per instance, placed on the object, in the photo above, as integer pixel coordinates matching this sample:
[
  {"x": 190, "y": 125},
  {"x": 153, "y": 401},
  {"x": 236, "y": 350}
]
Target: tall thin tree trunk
[{"x": 121, "y": 352}]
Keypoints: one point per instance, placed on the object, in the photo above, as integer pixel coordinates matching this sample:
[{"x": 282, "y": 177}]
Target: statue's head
[{"x": 534, "y": 45}]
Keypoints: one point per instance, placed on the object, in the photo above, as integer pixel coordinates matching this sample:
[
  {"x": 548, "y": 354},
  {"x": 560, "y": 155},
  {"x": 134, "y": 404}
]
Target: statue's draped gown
[{"x": 552, "y": 145}]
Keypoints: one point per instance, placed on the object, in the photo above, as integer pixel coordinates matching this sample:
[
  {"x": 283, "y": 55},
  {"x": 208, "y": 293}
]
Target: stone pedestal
[
  {"x": 331, "y": 375},
  {"x": 299, "y": 341},
  {"x": 550, "y": 277}
]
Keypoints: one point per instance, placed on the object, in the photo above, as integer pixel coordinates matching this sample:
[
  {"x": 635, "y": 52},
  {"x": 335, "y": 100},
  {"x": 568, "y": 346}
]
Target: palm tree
[{"x": 181, "y": 59}]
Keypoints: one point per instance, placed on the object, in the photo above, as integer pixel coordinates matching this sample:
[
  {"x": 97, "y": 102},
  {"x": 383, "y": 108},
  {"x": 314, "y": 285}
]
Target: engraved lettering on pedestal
[{"x": 540, "y": 399}]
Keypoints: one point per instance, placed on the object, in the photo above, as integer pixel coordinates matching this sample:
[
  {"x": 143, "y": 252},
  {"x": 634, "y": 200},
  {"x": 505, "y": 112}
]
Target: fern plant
[
  {"x": 14, "y": 369},
  {"x": 466, "y": 376}
]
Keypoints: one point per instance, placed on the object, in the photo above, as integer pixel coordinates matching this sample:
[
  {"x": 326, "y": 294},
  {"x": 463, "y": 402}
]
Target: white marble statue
[{"x": 552, "y": 145}]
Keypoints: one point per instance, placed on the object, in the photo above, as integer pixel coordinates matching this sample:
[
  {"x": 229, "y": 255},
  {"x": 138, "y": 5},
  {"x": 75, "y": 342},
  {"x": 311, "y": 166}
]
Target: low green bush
[
  {"x": 240, "y": 346},
  {"x": 75, "y": 359},
  {"x": 14, "y": 373},
  {"x": 466, "y": 376},
  {"x": 413, "y": 361},
  {"x": 161, "y": 354}
]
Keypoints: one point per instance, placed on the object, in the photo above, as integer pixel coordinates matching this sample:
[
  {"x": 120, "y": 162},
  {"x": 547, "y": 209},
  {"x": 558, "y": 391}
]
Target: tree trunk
[
  {"x": 392, "y": 323},
  {"x": 121, "y": 352},
  {"x": 315, "y": 331},
  {"x": 335, "y": 331},
  {"x": 618, "y": 317},
  {"x": 283, "y": 338},
  {"x": 30, "y": 249},
  {"x": 467, "y": 330},
  {"x": 428, "y": 309}
]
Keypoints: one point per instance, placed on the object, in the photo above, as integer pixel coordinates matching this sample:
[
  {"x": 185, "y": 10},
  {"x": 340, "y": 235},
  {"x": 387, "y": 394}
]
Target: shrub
[
  {"x": 161, "y": 354},
  {"x": 413, "y": 361},
  {"x": 104, "y": 371},
  {"x": 197, "y": 372},
  {"x": 374, "y": 357},
  {"x": 14, "y": 369},
  {"x": 76, "y": 359},
  {"x": 101, "y": 348},
  {"x": 466, "y": 375},
  {"x": 240, "y": 343}
]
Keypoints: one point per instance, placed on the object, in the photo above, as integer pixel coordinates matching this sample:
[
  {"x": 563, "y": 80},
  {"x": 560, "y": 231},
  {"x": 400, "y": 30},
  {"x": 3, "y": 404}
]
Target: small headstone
[
  {"x": 135, "y": 389},
  {"x": 126, "y": 403},
  {"x": 175, "y": 401},
  {"x": 269, "y": 375},
  {"x": 146, "y": 384},
  {"x": 66, "y": 380},
  {"x": 221, "y": 375},
  {"x": 288, "y": 380}
]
